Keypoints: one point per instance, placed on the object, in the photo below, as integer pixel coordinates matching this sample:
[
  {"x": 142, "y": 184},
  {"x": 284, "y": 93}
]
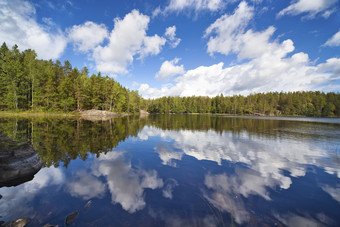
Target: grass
[{"x": 37, "y": 113}]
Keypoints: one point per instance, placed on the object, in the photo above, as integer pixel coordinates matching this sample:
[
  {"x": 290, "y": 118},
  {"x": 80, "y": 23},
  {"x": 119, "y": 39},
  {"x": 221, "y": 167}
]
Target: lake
[{"x": 177, "y": 170}]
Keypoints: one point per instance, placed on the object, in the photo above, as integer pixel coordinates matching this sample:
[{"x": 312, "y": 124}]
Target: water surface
[{"x": 178, "y": 170}]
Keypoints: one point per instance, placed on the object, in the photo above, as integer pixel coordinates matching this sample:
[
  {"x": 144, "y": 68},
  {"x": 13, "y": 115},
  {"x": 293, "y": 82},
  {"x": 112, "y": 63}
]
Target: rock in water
[
  {"x": 19, "y": 162},
  {"x": 22, "y": 222},
  {"x": 88, "y": 204},
  {"x": 71, "y": 218}
]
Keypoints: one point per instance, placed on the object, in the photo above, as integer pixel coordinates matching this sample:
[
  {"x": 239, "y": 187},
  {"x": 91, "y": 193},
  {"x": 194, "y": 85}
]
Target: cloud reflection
[
  {"x": 169, "y": 187},
  {"x": 125, "y": 184},
  {"x": 267, "y": 163},
  {"x": 86, "y": 186},
  {"x": 18, "y": 198},
  {"x": 266, "y": 156}
]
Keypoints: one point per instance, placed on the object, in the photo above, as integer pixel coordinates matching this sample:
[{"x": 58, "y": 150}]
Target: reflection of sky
[
  {"x": 266, "y": 161},
  {"x": 126, "y": 184},
  {"x": 18, "y": 198},
  {"x": 160, "y": 177}
]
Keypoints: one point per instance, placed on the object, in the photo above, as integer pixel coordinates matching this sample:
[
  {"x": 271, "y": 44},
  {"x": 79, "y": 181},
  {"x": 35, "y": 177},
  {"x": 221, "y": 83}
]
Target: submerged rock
[
  {"x": 19, "y": 162},
  {"x": 71, "y": 218},
  {"x": 88, "y": 204},
  {"x": 22, "y": 222},
  {"x": 49, "y": 225}
]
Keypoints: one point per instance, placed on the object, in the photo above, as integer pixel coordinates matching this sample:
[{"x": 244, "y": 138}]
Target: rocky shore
[{"x": 19, "y": 162}]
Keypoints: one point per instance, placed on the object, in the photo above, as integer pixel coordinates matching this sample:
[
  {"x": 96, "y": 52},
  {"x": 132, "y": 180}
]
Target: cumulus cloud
[
  {"x": 88, "y": 35},
  {"x": 334, "y": 40},
  {"x": 196, "y": 5},
  {"x": 170, "y": 33},
  {"x": 152, "y": 45},
  {"x": 19, "y": 26},
  {"x": 169, "y": 69},
  {"x": 125, "y": 41},
  {"x": 228, "y": 35},
  {"x": 269, "y": 66},
  {"x": 311, "y": 8},
  {"x": 128, "y": 40},
  {"x": 331, "y": 66}
]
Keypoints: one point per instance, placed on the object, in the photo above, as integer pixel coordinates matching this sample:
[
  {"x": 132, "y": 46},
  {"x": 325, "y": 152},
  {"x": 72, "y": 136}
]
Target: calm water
[{"x": 178, "y": 170}]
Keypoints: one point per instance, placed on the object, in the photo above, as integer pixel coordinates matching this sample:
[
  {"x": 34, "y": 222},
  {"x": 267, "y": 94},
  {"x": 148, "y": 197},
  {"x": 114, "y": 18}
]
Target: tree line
[
  {"x": 27, "y": 83},
  {"x": 309, "y": 103}
]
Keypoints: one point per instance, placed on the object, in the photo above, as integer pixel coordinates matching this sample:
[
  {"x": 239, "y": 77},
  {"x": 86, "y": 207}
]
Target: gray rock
[
  {"x": 19, "y": 162},
  {"x": 71, "y": 218}
]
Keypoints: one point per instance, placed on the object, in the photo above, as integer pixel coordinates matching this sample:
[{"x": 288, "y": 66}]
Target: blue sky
[{"x": 193, "y": 47}]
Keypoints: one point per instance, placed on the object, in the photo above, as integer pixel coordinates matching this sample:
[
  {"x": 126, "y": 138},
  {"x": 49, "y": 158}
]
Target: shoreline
[
  {"x": 113, "y": 114},
  {"x": 86, "y": 113}
]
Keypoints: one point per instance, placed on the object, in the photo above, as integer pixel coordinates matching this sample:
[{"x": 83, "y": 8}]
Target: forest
[
  {"x": 309, "y": 103},
  {"x": 30, "y": 84},
  {"x": 27, "y": 83}
]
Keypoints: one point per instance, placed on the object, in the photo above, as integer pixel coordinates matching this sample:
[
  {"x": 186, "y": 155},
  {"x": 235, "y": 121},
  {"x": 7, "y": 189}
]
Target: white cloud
[
  {"x": 265, "y": 74},
  {"x": 152, "y": 45},
  {"x": 231, "y": 37},
  {"x": 127, "y": 40},
  {"x": 332, "y": 66},
  {"x": 196, "y": 5},
  {"x": 169, "y": 69},
  {"x": 334, "y": 40},
  {"x": 271, "y": 65},
  {"x": 170, "y": 33},
  {"x": 19, "y": 26},
  {"x": 88, "y": 35},
  {"x": 311, "y": 8}
]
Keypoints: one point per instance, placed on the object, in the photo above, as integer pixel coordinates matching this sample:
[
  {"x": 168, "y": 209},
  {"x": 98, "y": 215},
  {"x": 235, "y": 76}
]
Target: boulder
[{"x": 19, "y": 162}]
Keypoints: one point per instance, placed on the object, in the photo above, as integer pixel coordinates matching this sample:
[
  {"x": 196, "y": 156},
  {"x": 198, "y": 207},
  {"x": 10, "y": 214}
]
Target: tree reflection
[{"x": 60, "y": 140}]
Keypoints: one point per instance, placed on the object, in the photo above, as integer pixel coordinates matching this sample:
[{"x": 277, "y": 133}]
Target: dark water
[{"x": 178, "y": 170}]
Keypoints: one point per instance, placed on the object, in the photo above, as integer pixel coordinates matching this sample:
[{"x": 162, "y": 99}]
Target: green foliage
[
  {"x": 30, "y": 84},
  {"x": 61, "y": 139},
  {"x": 316, "y": 104}
]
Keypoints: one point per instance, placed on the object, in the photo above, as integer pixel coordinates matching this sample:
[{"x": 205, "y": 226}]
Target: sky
[{"x": 186, "y": 47}]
